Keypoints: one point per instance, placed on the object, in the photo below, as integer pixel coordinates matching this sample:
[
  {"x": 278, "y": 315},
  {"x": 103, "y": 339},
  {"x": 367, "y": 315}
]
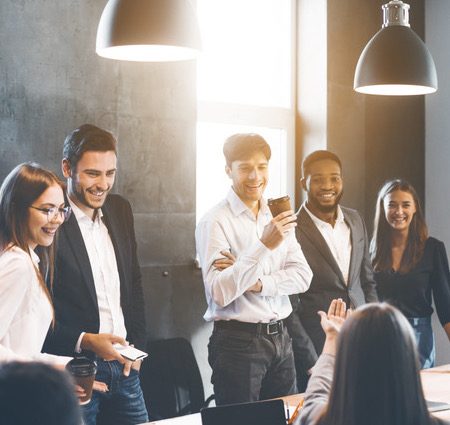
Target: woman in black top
[{"x": 410, "y": 267}]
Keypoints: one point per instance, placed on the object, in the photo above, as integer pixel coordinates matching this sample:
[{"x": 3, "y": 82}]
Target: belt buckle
[{"x": 268, "y": 326}]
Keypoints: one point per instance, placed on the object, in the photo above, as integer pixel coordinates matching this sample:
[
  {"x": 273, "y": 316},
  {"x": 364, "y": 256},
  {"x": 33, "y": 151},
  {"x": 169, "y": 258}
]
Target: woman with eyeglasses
[
  {"x": 411, "y": 268},
  {"x": 32, "y": 207}
]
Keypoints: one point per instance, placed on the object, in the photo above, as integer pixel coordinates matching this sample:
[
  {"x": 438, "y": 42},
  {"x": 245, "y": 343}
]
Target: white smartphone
[{"x": 130, "y": 352}]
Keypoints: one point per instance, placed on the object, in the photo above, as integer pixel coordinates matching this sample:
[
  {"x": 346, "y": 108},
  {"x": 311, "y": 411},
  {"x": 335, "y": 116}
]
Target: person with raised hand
[{"x": 368, "y": 372}]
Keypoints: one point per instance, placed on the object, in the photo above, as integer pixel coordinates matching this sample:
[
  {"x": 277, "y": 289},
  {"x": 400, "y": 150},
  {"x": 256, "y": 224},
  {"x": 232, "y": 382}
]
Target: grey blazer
[
  {"x": 317, "y": 393},
  {"x": 328, "y": 281}
]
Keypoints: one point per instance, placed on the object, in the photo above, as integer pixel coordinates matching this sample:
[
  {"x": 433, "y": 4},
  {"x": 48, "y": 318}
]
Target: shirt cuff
[
  {"x": 78, "y": 346},
  {"x": 269, "y": 288}
]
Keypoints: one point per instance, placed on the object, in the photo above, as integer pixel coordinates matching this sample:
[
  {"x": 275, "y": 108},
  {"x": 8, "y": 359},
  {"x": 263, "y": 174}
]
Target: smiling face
[
  {"x": 40, "y": 230},
  {"x": 324, "y": 186},
  {"x": 92, "y": 179},
  {"x": 250, "y": 177},
  {"x": 399, "y": 209}
]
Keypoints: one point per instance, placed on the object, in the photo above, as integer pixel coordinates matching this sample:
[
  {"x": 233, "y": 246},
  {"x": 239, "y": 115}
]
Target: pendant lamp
[
  {"x": 148, "y": 30},
  {"x": 395, "y": 61}
]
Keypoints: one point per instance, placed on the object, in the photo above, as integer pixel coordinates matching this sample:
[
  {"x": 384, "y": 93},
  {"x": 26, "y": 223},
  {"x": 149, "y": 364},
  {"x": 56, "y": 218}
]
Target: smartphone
[{"x": 130, "y": 352}]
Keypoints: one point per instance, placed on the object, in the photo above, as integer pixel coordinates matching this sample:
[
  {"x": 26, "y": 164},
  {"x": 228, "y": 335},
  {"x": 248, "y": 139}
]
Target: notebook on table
[{"x": 269, "y": 412}]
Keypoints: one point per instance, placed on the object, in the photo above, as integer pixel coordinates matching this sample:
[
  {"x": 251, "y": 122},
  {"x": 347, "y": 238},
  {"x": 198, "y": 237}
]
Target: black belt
[{"x": 271, "y": 328}]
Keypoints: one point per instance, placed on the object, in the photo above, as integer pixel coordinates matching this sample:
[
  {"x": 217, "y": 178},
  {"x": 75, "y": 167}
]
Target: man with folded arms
[{"x": 251, "y": 263}]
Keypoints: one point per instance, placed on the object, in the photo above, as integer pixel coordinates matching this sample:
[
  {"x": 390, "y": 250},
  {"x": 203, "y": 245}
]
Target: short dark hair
[
  {"x": 243, "y": 145},
  {"x": 33, "y": 392},
  {"x": 318, "y": 156},
  {"x": 85, "y": 138}
]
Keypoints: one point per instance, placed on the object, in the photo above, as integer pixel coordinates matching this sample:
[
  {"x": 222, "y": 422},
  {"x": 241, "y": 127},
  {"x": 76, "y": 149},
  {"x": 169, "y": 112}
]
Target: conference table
[{"x": 435, "y": 381}]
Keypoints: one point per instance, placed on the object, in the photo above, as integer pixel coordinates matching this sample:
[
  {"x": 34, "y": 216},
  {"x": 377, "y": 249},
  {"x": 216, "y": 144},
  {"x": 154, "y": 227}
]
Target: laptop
[
  {"x": 437, "y": 406},
  {"x": 269, "y": 412}
]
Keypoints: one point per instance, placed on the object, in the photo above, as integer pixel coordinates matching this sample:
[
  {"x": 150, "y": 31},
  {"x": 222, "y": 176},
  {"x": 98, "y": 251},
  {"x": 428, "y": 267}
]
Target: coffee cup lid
[{"x": 82, "y": 366}]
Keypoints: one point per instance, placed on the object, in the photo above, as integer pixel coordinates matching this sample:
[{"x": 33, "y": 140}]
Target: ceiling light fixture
[
  {"x": 395, "y": 61},
  {"x": 148, "y": 30}
]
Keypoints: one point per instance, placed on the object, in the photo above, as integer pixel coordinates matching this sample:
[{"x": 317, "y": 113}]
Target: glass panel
[
  {"x": 246, "y": 56},
  {"x": 212, "y": 182}
]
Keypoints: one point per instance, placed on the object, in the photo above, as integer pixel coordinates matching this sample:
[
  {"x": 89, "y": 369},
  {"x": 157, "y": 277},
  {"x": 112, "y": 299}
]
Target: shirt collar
[
  {"x": 238, "y": 207},
  {"x": 81, "y": 216},
  {"x": 34, "y": 257},
  {"x": 318, "y": 222}
]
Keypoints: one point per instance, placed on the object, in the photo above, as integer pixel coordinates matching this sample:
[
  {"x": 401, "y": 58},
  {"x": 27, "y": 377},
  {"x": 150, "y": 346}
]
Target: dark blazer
[
  {"x": 74, "y": 296},
  {"x": 328, "y": 281}
]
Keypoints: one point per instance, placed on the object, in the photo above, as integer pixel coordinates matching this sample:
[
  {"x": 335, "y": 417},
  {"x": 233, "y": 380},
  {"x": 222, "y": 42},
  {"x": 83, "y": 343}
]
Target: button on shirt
[
  {"x": 338, "y": 239},
  {"x": 103, "y": 263},
  {"x": 231, "y": 226}
]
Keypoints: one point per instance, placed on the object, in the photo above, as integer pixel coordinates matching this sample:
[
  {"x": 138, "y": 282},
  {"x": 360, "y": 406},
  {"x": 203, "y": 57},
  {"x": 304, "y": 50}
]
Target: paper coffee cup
[
  {"x": 83, "y": 371},
  {"x": 279, "y": 205}
]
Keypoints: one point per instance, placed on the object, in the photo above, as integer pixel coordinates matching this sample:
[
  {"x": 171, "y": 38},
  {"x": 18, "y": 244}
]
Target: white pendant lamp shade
[
  {"x": 148, "y": 30},
  {"x": 395, "y": 61}
]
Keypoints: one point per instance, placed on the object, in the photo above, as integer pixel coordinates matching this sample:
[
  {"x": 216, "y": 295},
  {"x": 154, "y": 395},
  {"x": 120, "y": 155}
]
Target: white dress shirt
[
  {"x": 338, "y": 239},
  {"x": 25, "y": 311},
  {"x": 102, "y": 258},
  {"x": 231, "y": 226}
]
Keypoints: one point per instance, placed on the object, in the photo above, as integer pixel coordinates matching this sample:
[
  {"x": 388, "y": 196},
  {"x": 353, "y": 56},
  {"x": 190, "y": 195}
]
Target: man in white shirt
[
  {"x": 97, "y": 291},
  {"x": 251, "y": 263},
  {"x": 334, "y": 241}
]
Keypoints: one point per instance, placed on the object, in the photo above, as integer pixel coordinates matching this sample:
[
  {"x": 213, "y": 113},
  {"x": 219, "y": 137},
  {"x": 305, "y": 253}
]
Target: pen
[{"x": 295, "y": 414}]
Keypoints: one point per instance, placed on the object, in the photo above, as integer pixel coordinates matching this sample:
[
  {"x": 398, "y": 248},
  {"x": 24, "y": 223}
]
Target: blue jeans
[
  {"x": 123, "y": 404},
  {"x": 249, "y": 367},
  {"x": 425, "y": 340}
]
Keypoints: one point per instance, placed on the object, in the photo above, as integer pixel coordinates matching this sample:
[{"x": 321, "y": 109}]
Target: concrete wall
[
  {"x": 51, "y": 81},
  {"x": 437, "y": 148}
]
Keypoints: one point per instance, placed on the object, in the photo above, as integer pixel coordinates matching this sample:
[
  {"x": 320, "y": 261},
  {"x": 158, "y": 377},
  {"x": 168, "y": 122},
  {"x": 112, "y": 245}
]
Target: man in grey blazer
[{"x": 334, "y": 242}]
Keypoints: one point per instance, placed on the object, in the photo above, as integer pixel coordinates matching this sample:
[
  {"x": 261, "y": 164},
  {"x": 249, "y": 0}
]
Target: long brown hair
[
  {"x": 376, "y": 376},
  {"x": 381, "y": 245},
  {"x": 21, "y": 187}
]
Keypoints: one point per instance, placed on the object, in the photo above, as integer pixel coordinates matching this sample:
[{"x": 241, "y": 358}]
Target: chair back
[{"x": 171, "y": 380}]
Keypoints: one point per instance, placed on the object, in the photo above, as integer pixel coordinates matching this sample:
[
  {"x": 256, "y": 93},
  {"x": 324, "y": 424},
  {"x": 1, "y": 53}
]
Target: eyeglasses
[{"x": 53, "y": 212}]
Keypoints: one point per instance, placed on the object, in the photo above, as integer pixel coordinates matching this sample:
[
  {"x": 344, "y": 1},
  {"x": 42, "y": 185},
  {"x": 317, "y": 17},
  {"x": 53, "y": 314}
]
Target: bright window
[{"x": 244, "y": 84}]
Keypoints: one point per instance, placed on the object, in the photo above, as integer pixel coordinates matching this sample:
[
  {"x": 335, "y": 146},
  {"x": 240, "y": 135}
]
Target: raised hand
[{"x": 332, "y": 322}]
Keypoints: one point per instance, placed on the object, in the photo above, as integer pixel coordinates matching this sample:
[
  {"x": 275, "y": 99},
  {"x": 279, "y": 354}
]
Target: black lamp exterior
[
  {"x": 396, "y": 56},
  {"x": 170, "y": 23}
]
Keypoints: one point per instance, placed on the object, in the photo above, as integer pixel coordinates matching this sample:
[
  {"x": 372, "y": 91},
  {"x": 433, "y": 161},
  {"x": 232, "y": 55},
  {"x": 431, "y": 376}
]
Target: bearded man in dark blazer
[
  {"x": 334, "y": 242},
  {"x": 98, "y": 297}
]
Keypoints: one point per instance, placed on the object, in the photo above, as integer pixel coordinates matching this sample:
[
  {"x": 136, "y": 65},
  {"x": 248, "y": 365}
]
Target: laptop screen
[{"x": 269, "y": 412}]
